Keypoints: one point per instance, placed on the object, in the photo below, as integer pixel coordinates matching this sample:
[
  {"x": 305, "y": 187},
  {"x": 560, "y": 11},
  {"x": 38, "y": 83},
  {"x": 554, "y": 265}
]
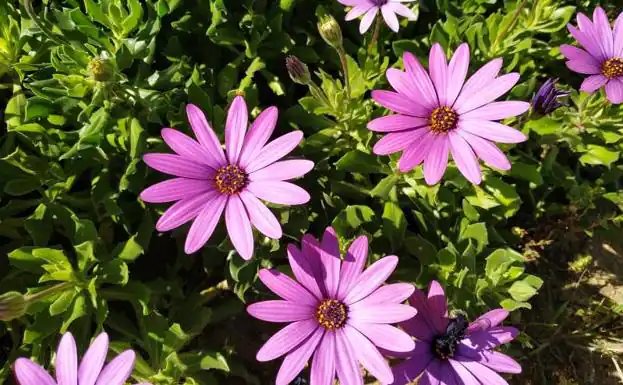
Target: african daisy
[
  {"x": 601, "y": 55},
  {"x": 336, "y": 312},
  {"x": 438, "y": 112},
  {"x": 370, "y": 8},
  {"x": 208, "y": 183},
  {"x": 452, "y": 351},
  {"x": 86, "y": 372}
]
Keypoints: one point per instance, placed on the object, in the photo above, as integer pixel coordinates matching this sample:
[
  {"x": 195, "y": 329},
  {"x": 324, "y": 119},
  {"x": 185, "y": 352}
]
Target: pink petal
[
  {"x": 494, "y": 90},
  {"x": 66, "y": 363},
  {"x": 493, "y": 131},
  {"x": 392, "y": 293},
  {"x": 93, "y": 360},
  {"x": 437, "y": 305},
  {"x": 296, "y": 360},
  {"x": 353, "y": 265},
  {"x": 204, "y": 133},
  {"x": 283, "y": 170},
  {"x": 187, "y": 148},
  {"x": 183, "y": 211},
  {"x": 499, "y": 362},
  {"x": 275, "y": 150},
  {"x": 261, "y": 217},
  {"x": 117, "y": 371},
  {"x": 577, "y": 54},
  {"x": 236, "y": 128},
  {"x": 370, "y": 280},
  {"x": 593, "y": 83},
  {"x": 346, "y": 361},
  {"x": 583, "y": 67},
  {"x": 467, "y": 378},
  {"x": 283, "y": 193},
  {"x": 486, "y": 151},
  {"x": 357, "y": 11},
  {"x": 286, "y": 339},
  {"x": 239, "y": 227},
  {"x": 491, "y": 338},
  {"x": 479, "y": 80},
  {"x": 352, "y": 3},
  {"x": 420, "y": 80},
  {"x": 304, "y": 271},
  {"x": 175, "y": 189},
  {"x": 465, "y": 158},
  {"x": 614, "y": 90},
  {"x": 402, "y": 10},
  {"x": 587, "y": 41},
  {"x": 281, "y": 311},
  {"x": 485, "y": 375},
  {"x": 390, "y": 18},
  {"x": 397, "y": 102},
  {"x": 457, "y": 71},
  {"x": 433, "y": 374},
  {"x": 618, "y": 36},
  {"x": 488, "y": 320},
  {"x": 396, "y": 123},
  {"x": 29, "y": 373},
  {"x": 203, "y": 226},
  {"x": 604, "y": 32},
  {"x": 323, "y": 365},
  {"x": 436, "y": 160},
  {"x": 261, "y": 129},
  {"x": 420, "y": 326},
  {"x": 498, "y": 110},
  {"x": 416, "y": 152},
  {"x": 386, "y": 337},
  {"x": 398, "y": 141},
  {"x": 380, "y": 313},
  {"x": 408, "y": 371},
  {"x": 368, "y": 355},
  {"x": 367, "y": 20},
  {"x": 286, "y": 288},
  {"x": 403, "y": 83},
  {"x": 330, "y": 261},
  {"x": 178, "y": 166},
  {"x": 438, "y": 69}
]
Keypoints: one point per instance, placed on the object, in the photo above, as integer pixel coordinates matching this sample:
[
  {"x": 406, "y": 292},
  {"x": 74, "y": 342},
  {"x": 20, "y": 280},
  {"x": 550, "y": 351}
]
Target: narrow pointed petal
[
  {"x": 283, "y": 170},
  {"x": 436, "y": 161},
  {"x": 457, "y": 71},
  {"x": 178, "y": 166},
  {"x": 402, "y": 10},
  {"x": 286, "y": 288},
  {"x": 392, "y": 293},
  {"x": 499, "y": 362},
  {"x": 183, "y": 211},
  {"x": 386, "y": 336},
  {"x": 304, "y": 270},
  {"x": 398, "y": 141},
  {"x": 353, "y": 265},
  {"x": 421, "y": 80},
  {"x": 203, "y": 226},
  {"x": 479, "y": 80},
  {"x": 438, "y": 306},
  {"x": 29, "y": 373},
  {"x": 275, "y": 150},
  {"x": 485, "y": 375},
  {"x": 330, "y": 261},
  {"x": 618, "y": 36},
  {"x": 491, "y": 338},
  {"x": 465, "y": 158},
  {"x": 489, "y": 320},
  {"x": 367, "y": 20},
  {"x": 236, "y": 128},
  {"x": 397, "y": 102},
  {"x": 261, "y": 217},
  {"x": 175, "y": 189},
  {"x": 281, "y": 311},
  {"x": 93, "y": 360},
  {"x": 357, "y": 11},
  {"x": 488, "y": 94},
  {"x": 380, "y": 313},
  {"x": 323, "y": 365},
  {"x": 286, "y": 339},
  {"x": 67, "y": 361},
  {"x": 390, "y": 18},
  {"x": 493, "y": 131},
  {"x": 283, "y": 193},
  {"x": 259, "y": 133},
  {"x": 117, "y": 371},
  {"x": 408, "y": 371},
  {"x": 188, "y": 148},
  {"x": 239, "y": 227},
  {"x": 583, "y": 67},
  {"x": 577, "y": 54},
  {"x": 372, "y": 278},
  {"x": 498, "y": 110},
  {"x": 487, "y": 151},
  {"x": 602, "y": 27},
  {"x": 204, "y": 133},
  {"x": 438, "y": 68},
  {"x": 296, "y": 360},
  {"x": 346, "y": 361},
  {"x": 614, "y": 90},
  {"x": 396, "y": 123},
  {"x": 593, "y": 83},
  {"x": 416, "y": 152},
  {"x": 467, "y": 378},
  {"x": 369, "y": 356}
]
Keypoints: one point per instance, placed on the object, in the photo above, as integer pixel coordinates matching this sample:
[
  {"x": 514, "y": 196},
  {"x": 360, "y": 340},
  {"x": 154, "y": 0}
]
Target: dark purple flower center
[
  {"x": 612, "y": 68},
  {"x": 331, "y": 314},
  {"x": 230, "y": 179},
  {"x": 443, "y": 119},
  {"x": 380, "y": 3},
  {"x": 444, "y": 345}
]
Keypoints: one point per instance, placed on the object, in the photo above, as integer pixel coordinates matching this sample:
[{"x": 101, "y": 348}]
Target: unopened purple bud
[{"x": 548, "y": 98}]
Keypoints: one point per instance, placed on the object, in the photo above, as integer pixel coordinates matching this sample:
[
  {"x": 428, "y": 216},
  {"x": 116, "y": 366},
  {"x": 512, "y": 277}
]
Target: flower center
[
  {"x": 443, "y": 119},
  {"x": 230, "y": 179},
  {"x": 612, "y": 68},
  {"x": 444, "y": 345},
  {"x": 331, "y": 314}
]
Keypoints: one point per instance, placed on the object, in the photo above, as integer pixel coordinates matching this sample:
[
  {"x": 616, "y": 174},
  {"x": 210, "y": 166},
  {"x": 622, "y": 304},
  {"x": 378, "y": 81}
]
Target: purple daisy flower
[
  {"x": 209, "y": 183},
  {"x": 601, "y": 55},
  {"x": 438, "y": 112},
  {"x": 370, "y": 8},
  {"x": 451, "y": 351},
  {"x": 338, "y": 312},
  {"x": 86, "y": 372}
]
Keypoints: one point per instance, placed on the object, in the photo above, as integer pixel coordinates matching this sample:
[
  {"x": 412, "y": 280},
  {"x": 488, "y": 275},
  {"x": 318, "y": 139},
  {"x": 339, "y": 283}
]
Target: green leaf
[
  {"x": 598, "y": 155},
  {"x": 394, "y": 224},
  {"x": 214, "y": 360}
]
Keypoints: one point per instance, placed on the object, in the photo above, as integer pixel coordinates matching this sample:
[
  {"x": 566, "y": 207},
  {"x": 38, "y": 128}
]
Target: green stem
[
  {"x": 48, "y": 291},
  {"x": 375, "y": 34},
  {"x": 320, "y": 93},
  {"x": 509, "y": 26},
  {"x": 344, "y": 62}
]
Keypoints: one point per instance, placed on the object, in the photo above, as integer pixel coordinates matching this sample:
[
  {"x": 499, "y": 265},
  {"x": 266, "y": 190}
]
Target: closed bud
[
  {"x": 12, "y": 305},
  {"x": 330, "y": 31},
  {"x": 547, "y": 98},
  {"x": 298, "y": 71}
]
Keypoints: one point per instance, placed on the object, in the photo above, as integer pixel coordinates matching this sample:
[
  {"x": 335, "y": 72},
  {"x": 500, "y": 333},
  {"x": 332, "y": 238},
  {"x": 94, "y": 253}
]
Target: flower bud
[
  {"x": 547, "y": 99},
  {"x": 12, "y": 305},
  {"x": 100, "y": 69},
  {"x": 330, "y": 31},
  {"x": 298, "y": 71}
]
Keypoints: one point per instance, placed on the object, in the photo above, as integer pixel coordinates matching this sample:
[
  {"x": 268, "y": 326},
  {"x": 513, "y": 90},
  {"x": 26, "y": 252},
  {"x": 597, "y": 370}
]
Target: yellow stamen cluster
[
  {"x": 331, "y": 314},
  {"x": 612, "y": 68},
  {"x": 443, "y": 119},
  {"x": 230, "y": 179}
]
